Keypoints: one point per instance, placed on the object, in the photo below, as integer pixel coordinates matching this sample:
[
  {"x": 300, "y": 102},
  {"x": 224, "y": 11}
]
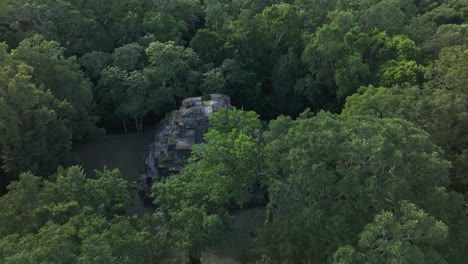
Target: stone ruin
[{"x": 178, "y": 132}]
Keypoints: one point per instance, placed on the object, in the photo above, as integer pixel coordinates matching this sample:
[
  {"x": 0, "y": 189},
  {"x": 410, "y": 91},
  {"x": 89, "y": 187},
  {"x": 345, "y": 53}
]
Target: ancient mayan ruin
[{"x": 178, "y": 132}]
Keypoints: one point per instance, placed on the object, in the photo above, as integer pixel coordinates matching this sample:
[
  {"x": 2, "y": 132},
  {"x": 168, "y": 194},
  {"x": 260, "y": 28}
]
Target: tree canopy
[
  {"x": 336, "y": 173},
  {"x": 364, "y": 158}
]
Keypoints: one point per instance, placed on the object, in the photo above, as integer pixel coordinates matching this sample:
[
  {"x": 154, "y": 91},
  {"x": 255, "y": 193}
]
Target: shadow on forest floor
[{"x": 125, "y": 152}]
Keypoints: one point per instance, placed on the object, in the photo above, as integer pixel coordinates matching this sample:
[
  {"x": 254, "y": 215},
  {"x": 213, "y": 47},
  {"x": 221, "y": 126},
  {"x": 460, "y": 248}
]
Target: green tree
[
  {"x": 79, "y": 31},
  {"x": 314, "y": 12},
  {"x": 285, "y": 97},
  {"x": 192, "y": 206},
  {"x": 52, "y": 243},
  {"x": 188, "y": 11},
  {"x": 58, "y": 200},
  {"x": 440, "y": 112},
  {"x": 213, "y": 81},
  {"x": 233, "y": 80},
  {"x": 129, "y": 57},
  {"x": 280, "y": 26},
  {"x": 137, "y": 103},
  {"x": 445, "y": 35},
  {"x": 408, "y": 236},
  {"x": 215, "y": 14},
  {"x": 174, "y": 73},
  {"x": 386, "y": 15},
  {"x": 61, "y": 76},
  {"x": 440, "y": 107},
  {"x": 74, "y": 219},
  {"x": 400, "y": 73},
  {"x": 94, "y": 63},
  {"x": 450, "y": 70},
  {"x": 34, "y": 125},
  {"x": 124, "y": 95},
  {"x": 336, "y": 173},
  {"x": 242, "y": 44},
  {"x": 163, "y": 26},
  {"x": 209, "y": 45},
  {"x": 322, "y": 54},
  {"x": 129, "y": 240},
  {"x": 111, "y": 94},
  {"x": 351, "y": 73}
]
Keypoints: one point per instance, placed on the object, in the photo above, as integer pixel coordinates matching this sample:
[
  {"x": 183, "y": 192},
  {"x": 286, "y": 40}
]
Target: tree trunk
[
  {"x": 125, "y": 126},
  {"x": 136, "y": 125},
  {"x": 141, "y": 124}
]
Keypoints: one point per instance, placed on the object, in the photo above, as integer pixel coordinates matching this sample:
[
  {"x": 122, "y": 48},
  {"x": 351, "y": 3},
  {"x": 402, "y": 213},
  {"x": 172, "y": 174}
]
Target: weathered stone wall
[{"x": 178, "y": 132}]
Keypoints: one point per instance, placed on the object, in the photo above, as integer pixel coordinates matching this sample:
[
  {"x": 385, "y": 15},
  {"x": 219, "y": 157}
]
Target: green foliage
[
  {"x": 189, "y": 210},
  {"x": 208, "y": 44},
  {"x": 213, "y": 81},
  {"x": 411, "y": 236},
  {"x": 173, "y": 72},
  {"x": 274, "y": 57},
  {"x": 215, "y": 14},
  {"x": 186, "y": 10},
  {"x": 400, "y": 73},
  {"x": 95, "y": 62},
  {"x": 324, "y": 52},
  {"x": 280, "y": 25},
  {"x": 59, "y": 75},
  {"x": 52, "y": 243},
  {"x": 231, "y": 79},
  {"x": 130, "y": 240},
  {"x": 336, "y": 173},
  {"x": 285, "y": 98},
  {"x": 352, "y": 72},
  {"x": 450, "y": 70},
  {"x": 440, "y": 107},
  {"x": 386, "y": 15},
  {"x": 386, "y": 39},
  {"x": 129, "y": 57},
  {"x": 75, "y": 219},
  {"x": 37, "y": 201},
  {"x": 193, "y": 205},
  {"x": 442, "y": 113},
  {"x": 34, "y": 125},
  {"x": 125, "y": 95},
  {"x": 111, "y": 92},
  {"x": 163, "y": 26}
]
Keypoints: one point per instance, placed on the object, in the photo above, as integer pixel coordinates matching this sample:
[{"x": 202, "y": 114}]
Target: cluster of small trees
[{"x": 73, "y": 219}]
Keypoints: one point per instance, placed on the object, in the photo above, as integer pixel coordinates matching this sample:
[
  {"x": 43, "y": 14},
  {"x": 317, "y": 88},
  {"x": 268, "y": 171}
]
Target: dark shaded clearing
[{"x": 125, "y": 152}]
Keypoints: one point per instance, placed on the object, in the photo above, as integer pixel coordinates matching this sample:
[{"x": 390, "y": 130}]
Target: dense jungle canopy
[{"x": 364, "y": 158}]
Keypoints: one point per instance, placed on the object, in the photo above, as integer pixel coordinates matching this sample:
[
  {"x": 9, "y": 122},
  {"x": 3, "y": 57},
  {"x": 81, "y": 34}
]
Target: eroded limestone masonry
[{"x": 178, "y": 132}]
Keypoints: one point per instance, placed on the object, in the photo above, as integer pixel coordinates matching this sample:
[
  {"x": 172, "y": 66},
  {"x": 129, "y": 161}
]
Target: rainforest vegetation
[{"x": 364, "y": 158}]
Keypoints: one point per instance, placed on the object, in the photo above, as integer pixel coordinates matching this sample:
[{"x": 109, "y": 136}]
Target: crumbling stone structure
[{"x": 178, "y": 132}]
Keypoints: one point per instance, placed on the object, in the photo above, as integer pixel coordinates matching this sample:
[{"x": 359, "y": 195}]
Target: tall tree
[
  {"x": 408, "y": 236},
  {"x": 233, "y": 80},
  {"x": 61, "y": 76},
  {"x": 35, "y": 134},
  {"x": 174, "y": 73},
  {"x": 129, "y": 57},
  {"x": 336, "y": 173}
]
